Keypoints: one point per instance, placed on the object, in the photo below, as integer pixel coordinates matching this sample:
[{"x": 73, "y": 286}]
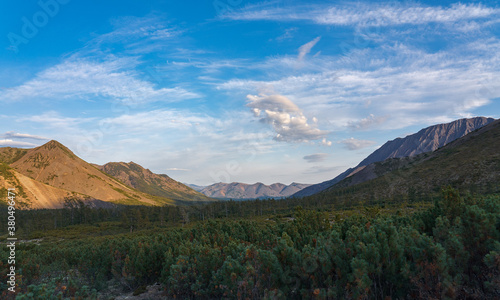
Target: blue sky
[{"x": 234, "y": 90}]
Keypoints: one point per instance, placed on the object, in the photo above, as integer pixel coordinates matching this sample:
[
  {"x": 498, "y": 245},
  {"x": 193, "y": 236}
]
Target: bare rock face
[
  {"x": 426, "y": 140},
  {"x": 238, "y": 190}
]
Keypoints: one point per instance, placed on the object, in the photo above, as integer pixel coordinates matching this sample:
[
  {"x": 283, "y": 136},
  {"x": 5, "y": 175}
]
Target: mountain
[
  {"x": 135, "y": 176},
  {"x": 31, "y": 193},
  {"x": 470, "y": 163},
  {"x": 195, "y": 187},
  {"x": 45, "y": 176},
  {"x": 55, "y": 165},
  {"x": 238, "y": 190},
  {"x": 426, "y": 140}
]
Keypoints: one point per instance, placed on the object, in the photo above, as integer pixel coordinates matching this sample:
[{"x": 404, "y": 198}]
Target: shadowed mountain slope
[
  {"x": 426, "y": 140},
  {"x": 471, "y": 163}
]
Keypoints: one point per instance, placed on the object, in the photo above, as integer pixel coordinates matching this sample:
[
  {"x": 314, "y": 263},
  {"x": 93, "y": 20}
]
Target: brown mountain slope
[
  {"x": 148, "y": 182},
  {"x": 31, "y": 193},
  {"x": 426, "y": 140},
  {"x": 55, "y": 165}
]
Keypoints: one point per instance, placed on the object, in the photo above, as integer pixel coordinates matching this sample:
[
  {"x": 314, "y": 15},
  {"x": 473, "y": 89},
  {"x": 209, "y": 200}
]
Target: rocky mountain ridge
[
  {"x": 426, "y": 140},
  {"x": 237, "y": 190}
]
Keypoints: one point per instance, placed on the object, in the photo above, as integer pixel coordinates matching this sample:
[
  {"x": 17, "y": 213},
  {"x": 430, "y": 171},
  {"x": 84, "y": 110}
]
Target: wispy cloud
[
  {"x": 178, "y": 169},
  {"x": 285, "y": 117},
  {"x": 12, "y": 143},
  {"x": 366, "y": 123},
  {"x": 155, "y": 120},
  {"x": 53, "y": 119},
  {"x": 321, "y": 169},
  {"x": 355, "y": 144},
  {"x": 396, "y": 86},
  {"x": 306, "y": 48},
  {"x": 367, "y": 14},
  {"x": 139, "y": 35},
  {"x": 317, "y": 157},
  {"x": 16, "y": 135},
  {"x": 111, "y": 79}
]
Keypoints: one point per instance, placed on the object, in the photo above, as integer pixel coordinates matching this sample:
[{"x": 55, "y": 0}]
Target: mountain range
[
  {"x": 240, "y": 191},
  {"x": 470, "y": 163},
  {"x": 426, "y": 140},
  {"x": 144, "y": 180},
  {"x": 462, "y": 153},
  {"x": 46, "y": 176}
]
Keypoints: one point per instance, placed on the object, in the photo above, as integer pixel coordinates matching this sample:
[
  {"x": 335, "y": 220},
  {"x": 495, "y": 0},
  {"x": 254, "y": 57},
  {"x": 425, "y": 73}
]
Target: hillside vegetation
[
  {"x": 451, "y": 250},
  {"x": 135, "y": 176},
  {"x": 426, "y": 140}
]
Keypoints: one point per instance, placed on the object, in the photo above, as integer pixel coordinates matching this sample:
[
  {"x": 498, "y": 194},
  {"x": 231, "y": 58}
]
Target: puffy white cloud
[
  {"x": 354, "y": 144},
  {"x": 324, "y": 142},
  {"x": 285, "y": 117},
  {"x": 317, "y": 157}
]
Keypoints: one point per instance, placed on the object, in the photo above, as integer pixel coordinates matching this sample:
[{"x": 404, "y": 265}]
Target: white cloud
[
  {"x": 368, "y": 14},
  {"x": 177, "y": 169},
  {"x": 399, "y": 85},
  {"x": 317, "y": 157},
  {"x": 12, "y": 143},
  {"x": 138, "y": 35},
  {"x": 16, "y": 135},
  {"x": 324, "y": 142},
  {"x": 366, "y": 123},
  {"x": 306, "y": 48},
  {"x": 285, "y": 117},
  {"x": 161, "y": 119},
  {"x": 321, "y": 169},
  {"x": 53, "y": 119},
  {"x": 289, "y": 33},
  {"x": 77, "y": 78},
  {"x": 355, "y": 144}
]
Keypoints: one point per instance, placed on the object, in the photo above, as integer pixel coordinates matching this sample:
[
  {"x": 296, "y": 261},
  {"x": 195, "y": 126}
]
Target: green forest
[{"x": 446, "y": 247}]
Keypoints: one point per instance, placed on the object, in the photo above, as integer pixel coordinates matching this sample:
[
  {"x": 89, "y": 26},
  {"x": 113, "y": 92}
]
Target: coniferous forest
[{"x": 442, "y": 248}]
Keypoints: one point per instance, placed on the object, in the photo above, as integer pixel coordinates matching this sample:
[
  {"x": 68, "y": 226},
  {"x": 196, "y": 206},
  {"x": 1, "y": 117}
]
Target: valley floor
[{"x": 446, "y": 249}]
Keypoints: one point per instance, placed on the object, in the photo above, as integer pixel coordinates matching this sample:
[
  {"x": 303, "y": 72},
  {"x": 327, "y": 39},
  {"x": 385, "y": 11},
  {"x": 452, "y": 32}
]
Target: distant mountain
[
  {"x": 470, "y": 163},
  {"x": 195, "y": 187},
  {"x": 426, "y": 140},
  {"x": 144, "y": 180},
  {"x": 238, "y": 190}
]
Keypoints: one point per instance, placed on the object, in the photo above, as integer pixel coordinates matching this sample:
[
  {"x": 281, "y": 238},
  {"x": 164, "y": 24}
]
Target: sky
[{"x": 242, "y": 91}]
